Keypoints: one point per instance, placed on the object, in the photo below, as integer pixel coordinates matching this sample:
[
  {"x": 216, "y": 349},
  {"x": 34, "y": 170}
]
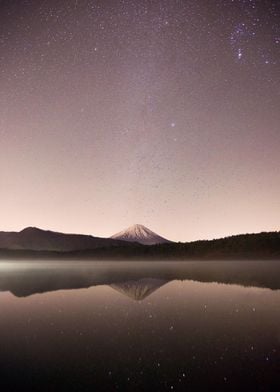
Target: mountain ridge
[
  {"x": 33, "y": 243},
  {"x": 36, "y": 239}
]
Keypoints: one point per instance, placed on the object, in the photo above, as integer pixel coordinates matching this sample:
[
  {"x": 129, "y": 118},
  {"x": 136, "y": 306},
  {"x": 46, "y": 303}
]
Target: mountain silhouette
[
  {"x": 32, "y": 238},
  {"x": 135, "y": 243}
]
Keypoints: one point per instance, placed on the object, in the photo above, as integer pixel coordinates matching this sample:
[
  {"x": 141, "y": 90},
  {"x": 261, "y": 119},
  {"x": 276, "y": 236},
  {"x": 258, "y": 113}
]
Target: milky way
[{"x": 164, "y": 113}]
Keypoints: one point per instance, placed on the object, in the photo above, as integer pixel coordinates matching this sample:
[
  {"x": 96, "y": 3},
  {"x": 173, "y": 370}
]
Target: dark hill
[{"x": 32, "y": 238}]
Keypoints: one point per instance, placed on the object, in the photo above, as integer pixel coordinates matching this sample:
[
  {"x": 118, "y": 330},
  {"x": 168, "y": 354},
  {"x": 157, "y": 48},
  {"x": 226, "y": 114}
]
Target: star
[{"x": 239, "y": 54}]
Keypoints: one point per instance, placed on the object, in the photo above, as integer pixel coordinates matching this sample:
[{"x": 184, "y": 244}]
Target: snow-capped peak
[{"x": 141, "y": 234}]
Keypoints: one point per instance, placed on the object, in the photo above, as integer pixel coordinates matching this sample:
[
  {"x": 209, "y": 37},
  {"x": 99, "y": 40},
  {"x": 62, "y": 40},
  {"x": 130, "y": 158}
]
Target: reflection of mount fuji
[
  {"x": 138, "y": 282},
  {"x": 138, "y": 289}
]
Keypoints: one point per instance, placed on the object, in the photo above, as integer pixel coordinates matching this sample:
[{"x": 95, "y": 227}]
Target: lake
[{"x": 140, "y": 326}]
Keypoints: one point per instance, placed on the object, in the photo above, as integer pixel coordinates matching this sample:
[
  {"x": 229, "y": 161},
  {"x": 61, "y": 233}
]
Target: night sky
[{"x": 165, "y": 113}]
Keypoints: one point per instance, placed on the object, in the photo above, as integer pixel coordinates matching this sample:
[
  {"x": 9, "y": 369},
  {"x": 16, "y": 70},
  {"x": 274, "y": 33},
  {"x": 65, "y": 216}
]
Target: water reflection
[
  {"x": 123, "y": 327},
  {"x": 138, "y": 289},
  {"x": 23, "y": 279}
]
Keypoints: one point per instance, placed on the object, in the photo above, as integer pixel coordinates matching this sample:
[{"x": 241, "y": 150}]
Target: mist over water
[{"x": 125, "y": 326}]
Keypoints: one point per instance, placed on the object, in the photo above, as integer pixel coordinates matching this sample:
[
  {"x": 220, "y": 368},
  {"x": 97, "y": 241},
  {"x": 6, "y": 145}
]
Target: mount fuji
[{"x": 141, "y": 234}]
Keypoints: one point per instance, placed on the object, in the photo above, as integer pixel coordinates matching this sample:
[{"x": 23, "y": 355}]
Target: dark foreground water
[{"x": 140, "y": 326}]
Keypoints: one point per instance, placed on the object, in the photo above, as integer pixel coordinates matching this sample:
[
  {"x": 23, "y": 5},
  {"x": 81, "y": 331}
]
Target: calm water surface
[{"x": 142, "y": 326}]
